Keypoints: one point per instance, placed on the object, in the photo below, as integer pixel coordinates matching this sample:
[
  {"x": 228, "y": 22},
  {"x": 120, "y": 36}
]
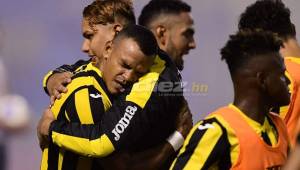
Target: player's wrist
[{"x": 176, "y": 140}]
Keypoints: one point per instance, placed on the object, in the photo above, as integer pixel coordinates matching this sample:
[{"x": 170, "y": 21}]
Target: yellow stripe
[
  {"x": 294, "y": 59},
  {"x": 142, "y": 90},
  {"x": 90, "y": 66},
  {"x": 76, "y": 83},
  {"x": 46, "y": 77},
  {"x": 269, "y": 129},
  {"x": 60, "y": 158},
  {"x": 204, "y": 147},
  {"x": 106, "y": 102},
  {"x": 83, "y": 107},
  {"x": 284, "y": 109},
  {"x": 188, "y": 138},
  {"x": 233, "y": 140},
  {"x": 80, "y": 68},
  {"x": 100, "y": 147},
  {"x": 44, "y": 162},
  {"x": 186, "y": 142}
]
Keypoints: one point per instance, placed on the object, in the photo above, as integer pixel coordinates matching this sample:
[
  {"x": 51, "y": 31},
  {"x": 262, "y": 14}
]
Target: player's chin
[
  {"x": 285, "y": 100},
  {"x": 112, "y": 89}
]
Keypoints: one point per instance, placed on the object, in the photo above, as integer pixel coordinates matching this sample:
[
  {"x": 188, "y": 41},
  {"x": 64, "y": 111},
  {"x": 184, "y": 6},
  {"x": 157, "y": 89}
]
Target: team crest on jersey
[{"x": 205, "y": 126}]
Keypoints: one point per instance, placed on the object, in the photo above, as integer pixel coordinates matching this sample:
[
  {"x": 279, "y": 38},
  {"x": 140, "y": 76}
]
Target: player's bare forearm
[{"x": 151, "y": 159}]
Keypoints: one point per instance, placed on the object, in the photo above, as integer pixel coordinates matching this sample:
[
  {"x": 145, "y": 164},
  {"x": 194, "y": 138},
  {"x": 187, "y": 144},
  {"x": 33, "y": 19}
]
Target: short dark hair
[
  {"x": 269, "y": 15},
  {"x": 248, "y": 44},
  {"x": 157, "y": 7},
  {"x": 107, "y": 11},
  {"x": 142, "y": 36}
]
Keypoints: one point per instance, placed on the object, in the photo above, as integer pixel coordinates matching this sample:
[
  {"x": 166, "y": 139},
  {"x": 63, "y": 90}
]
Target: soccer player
[
  {"x": 273, "y": 15},
  {"x": 169, "y": 20},
  {"x": 90, "y": 93},
  {"x": 173, "y": 26},
  {"x": 101, "y": 21},
  {"x": 244, "y": 135},
  {"x": 163, "y": 71}
]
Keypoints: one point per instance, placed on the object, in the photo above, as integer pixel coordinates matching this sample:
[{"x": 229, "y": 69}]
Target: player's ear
[
  {"x": 262, "y": 80},
  {"x": 117, "y": 28},
  {"x": 107, "y": 50},
  {"x": 161, "y": 34}
]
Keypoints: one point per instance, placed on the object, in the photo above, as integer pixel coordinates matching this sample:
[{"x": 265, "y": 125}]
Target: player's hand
[
  {"x": 184, "y": 120},
  {"x": 43, "y": 127},
  {"x": 56, "y": 85}
]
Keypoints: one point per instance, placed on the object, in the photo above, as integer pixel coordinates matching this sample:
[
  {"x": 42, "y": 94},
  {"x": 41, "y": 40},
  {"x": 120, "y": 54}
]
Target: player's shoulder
[
  {"x": 211, "y": 121},
  {"x": 215, "y": 123}
]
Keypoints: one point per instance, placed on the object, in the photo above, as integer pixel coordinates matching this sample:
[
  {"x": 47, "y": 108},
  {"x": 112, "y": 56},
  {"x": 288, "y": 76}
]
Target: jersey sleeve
[
  {"x": 204, "y": 147},
  {"x": 83, "y": 106},
  {"x": 124, "y": 123}
]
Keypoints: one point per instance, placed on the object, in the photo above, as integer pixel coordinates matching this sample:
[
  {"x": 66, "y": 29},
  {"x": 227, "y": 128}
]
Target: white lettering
[
  {"x": 117, "y": 136},
  {"x": 124, "y": 122}
]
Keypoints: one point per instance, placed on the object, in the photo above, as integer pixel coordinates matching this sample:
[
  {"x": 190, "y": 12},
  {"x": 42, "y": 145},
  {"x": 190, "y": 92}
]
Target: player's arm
[
  {"x": 155, "y": 157},
  {"x": 100, "y": 139},
  {"x": 125, "y": 123},
  {"x": 205, "y": 146},
  {"x": 55, "y": 81},
  {"x": 122, "y": 124}
]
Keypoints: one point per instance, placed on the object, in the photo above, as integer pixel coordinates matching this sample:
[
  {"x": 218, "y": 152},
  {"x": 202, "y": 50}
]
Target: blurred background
[{"x": 36, "y": 36}]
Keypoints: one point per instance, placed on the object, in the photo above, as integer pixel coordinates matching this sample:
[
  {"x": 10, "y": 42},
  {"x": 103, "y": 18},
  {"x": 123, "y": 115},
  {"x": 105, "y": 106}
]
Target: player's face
[
  {"x": 277, "y": 83},
  {"x": 181, "y": 38},
  {"x": 95, "y": 38},
  {"x": 124, "y": 64}
]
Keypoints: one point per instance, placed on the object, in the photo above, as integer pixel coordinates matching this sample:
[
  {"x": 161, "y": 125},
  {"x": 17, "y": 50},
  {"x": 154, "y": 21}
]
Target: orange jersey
[
  {"x": 291, "y": 113},
  {"x": 228, "y": 139},
  {"x": 254, "y": 152}
]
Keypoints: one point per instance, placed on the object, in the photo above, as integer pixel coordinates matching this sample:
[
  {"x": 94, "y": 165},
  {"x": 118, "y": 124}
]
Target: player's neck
[
  {"x": 253, "y": 106},
  {"x": 291, "y": 48}
]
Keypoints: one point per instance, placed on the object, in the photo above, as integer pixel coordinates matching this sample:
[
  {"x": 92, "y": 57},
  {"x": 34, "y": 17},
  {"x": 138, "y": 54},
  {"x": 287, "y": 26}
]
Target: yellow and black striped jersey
[
  {"x": 212, "y": 143},
  {"x": 85, "y": 102},
  {"x": 140, "y": 118}
]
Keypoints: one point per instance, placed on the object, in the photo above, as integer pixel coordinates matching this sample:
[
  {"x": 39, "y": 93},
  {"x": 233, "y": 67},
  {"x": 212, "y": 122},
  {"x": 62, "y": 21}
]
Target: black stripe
[
  {"x": 96, "y": 105},
  {"x": 53, "y": 152},
  {"x": 71, "y": 108},
  {"x": 266, "y": 138},
  {"x": 96, "y": 165},
  {"x": 221, "y": 152},
  {"x": 190, "y": 148},
  {"x": 70, "y": 161},
  {"x": 274, "y": 127}
]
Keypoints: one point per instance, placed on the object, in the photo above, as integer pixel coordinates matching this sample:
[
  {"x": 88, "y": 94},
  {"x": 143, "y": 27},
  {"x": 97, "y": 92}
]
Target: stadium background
[{"x": 39, "y": 35}]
